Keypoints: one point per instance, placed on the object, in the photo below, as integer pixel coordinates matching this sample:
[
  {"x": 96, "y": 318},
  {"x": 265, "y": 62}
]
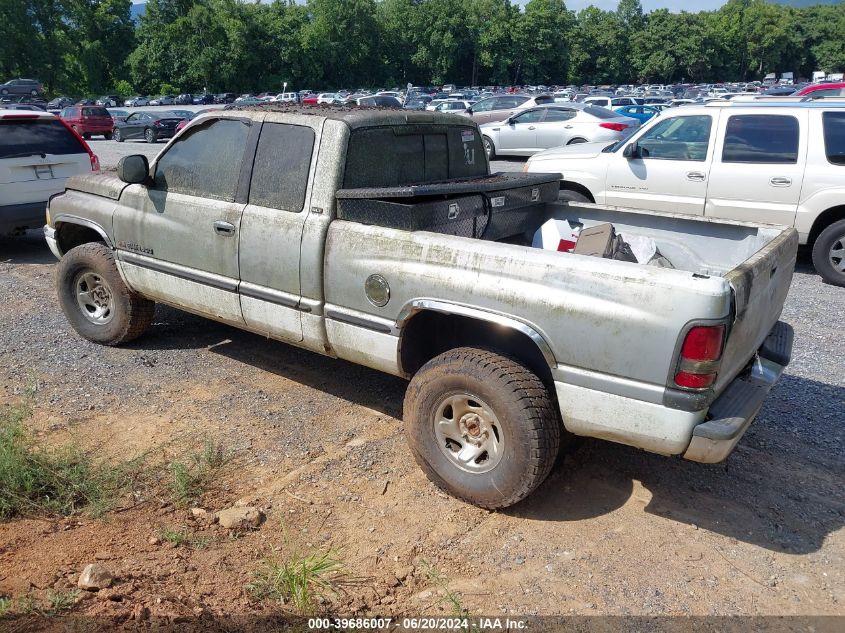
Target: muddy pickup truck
[{"x": 380, "y": 237}]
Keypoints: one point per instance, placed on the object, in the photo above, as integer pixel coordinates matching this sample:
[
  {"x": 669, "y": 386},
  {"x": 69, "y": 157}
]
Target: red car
[
  {"x": 823, "y": 90},
  {"x": 88, "y": 120},
  {"x": 310, "y": 100}
]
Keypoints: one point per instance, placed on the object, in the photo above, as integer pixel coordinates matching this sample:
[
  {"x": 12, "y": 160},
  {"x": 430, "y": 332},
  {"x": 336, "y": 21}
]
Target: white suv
[
  {"x": 774, "y": 163},
  {"x": 38, "y": 152}
]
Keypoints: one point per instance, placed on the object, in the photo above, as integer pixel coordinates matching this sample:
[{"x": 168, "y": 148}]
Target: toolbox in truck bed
[{"x": 493, "y": 206}]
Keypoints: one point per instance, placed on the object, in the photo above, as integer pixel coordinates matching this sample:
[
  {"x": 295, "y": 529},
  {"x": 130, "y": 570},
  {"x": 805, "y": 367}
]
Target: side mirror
[
  {"x": 469, "y": 111},
  {"x": 632, "y": 150},
  {"x": 133, "y": 169}
]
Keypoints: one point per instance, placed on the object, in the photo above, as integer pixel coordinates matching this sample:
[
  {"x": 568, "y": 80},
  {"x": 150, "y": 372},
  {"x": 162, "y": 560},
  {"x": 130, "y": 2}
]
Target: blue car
[{"x": 640, "y": 112}]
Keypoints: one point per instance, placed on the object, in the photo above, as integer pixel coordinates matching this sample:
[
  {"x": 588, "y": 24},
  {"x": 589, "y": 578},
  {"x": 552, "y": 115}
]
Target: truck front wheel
[
  {"x": 482, "y": 426},
  {"x": 829, "y": 254},
  {"x": 95, "y": 300}
]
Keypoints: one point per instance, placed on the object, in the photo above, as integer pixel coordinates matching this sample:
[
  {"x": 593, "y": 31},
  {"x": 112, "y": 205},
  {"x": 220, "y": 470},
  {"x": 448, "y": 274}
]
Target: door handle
[
  {"x": 531, "y": 127},
  {"x": 696, "y": 176},
  {"x": 780, "y": 182},
  {"x": 224, "y": 228},
  {"x": 567, "y": 127}
]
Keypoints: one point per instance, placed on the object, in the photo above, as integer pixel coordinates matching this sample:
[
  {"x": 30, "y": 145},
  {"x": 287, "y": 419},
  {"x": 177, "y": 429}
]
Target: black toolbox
[{"x": 492, "y": 207}]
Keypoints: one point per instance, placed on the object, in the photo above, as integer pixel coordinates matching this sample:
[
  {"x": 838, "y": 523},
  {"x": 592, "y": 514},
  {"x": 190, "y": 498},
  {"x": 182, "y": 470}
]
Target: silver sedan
[{"x": 547, "y": 126}]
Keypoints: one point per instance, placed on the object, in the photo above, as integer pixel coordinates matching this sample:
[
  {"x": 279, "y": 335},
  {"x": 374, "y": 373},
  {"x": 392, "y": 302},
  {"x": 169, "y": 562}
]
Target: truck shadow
[
  {"x": 25, "y": 249},
  {"x": 780, "y": 489}
]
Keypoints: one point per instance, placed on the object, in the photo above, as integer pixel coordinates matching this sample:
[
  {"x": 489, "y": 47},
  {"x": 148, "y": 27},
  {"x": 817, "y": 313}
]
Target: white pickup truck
[
  {"x": 379, "y": 237},
  {"x": 775, "y": 163}
]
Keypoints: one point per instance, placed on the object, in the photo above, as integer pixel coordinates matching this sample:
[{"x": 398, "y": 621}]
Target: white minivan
[
  {"x": 38, "y": 152},
  {"x": 765, "y": 162}
]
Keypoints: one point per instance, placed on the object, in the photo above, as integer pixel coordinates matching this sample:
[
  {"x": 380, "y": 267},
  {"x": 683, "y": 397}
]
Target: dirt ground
[{"x": 317, "y": 445}]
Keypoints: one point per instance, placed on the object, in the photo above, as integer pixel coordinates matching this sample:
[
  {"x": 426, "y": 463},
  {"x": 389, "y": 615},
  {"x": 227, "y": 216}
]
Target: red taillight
[
  {"x": 700, "y": 355},
  {"x": 95, "y": 162},
  {"x": 616, "y": 127}
]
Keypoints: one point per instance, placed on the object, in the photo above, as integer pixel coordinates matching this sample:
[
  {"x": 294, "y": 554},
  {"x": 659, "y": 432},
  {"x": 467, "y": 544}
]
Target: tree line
[{"x": 94, "y": 46}]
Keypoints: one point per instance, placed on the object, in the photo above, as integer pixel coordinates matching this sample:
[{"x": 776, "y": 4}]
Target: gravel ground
[{"x": 612, "y": 531}]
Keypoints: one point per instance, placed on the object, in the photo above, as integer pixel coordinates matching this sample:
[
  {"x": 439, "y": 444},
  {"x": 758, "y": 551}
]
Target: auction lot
[{"x": 317, "y": 445}]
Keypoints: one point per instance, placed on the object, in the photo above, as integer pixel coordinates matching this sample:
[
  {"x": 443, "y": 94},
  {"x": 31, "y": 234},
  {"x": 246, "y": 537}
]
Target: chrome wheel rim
[
  {"x": 488, "y": 149},
  {"x": 837, "y": 254},
  {"x": 94, "y": 298},
  {"x": 468, "y": 433}
]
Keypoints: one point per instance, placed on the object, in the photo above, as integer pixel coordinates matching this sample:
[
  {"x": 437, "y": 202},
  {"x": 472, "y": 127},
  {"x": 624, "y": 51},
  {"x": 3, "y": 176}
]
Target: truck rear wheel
[
  {"x": 482, "y": 426},
  {"x": 95, "y": 300},
  {"x": 829, "y": 254}
]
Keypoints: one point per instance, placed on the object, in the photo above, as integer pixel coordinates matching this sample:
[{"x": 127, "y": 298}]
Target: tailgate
[
  {"x": 760, "y": 285},
  {"x": 48, "y": 167}
]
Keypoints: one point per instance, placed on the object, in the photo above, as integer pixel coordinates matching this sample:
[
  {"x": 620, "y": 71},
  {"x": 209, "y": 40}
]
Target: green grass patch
[
  {"x": 452, "y": 598},
  {"x": 190, "y": 480},
  {"x": 5, "y": 605},
  {"x": 299, "y": 581},
  {"x": 65, "y": 481},
  {"x": 182, "y": 538}
]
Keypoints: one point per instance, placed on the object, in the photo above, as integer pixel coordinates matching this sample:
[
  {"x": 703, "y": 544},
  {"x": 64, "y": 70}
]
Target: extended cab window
[
  {"x": 834, "y": 136},
  {"x": 761, "y": 138},
  {"x": 677, "y": 138},
  {"x": 205, "y": 162},
  {"x": 281, "y": 168}
]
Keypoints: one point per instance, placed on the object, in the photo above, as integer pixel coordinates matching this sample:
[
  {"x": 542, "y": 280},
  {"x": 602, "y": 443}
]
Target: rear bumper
[
  {"x": 17, "y": 217},
  {"x": 638, "y": 417},
  {"x": 732, "y": 413}
]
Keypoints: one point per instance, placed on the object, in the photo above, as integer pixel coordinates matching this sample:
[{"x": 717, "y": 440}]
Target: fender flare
[
  {"x": 65, "y": 218},
  {"x": 444, "y": 307}
]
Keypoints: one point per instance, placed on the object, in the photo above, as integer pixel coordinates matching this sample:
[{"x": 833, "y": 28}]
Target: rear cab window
[
  {"x": 833, "y": 124},
  {"x": 413, "y": 154},
  {"x": 25, "y": 137}
]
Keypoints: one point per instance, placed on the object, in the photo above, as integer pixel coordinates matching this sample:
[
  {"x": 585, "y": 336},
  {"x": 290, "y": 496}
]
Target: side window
[
  {"x": 532, "y": 116},
  {"x": 281, "y": 168},
  {"x": 483, "y": 106},
  {"x": 206, "y": 162},
  {"x": 761, "y": 138},
  {"x": 678, "y": 138},
  {"x": 554, "y": 115},
  {"x": 834, "y": 136}
]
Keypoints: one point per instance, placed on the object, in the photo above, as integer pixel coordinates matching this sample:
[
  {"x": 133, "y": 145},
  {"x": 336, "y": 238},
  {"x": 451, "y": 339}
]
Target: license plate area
[{"x": 43, "y": 172}]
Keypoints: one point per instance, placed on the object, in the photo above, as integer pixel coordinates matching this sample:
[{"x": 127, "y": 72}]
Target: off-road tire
[
  {"x": 131, "y": 313},
  {"x": 834, "y": 235},
  {"x": 489, "y": 148},
  {"x": 527, "y": 418},
  {"x": 567, "y": 195}
]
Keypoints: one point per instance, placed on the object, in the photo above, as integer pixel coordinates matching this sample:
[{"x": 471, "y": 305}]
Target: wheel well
[
  {"x": 429, "y": 334},
  {"x": 834, "y": 214},
  {"x": 69, "y": 235},
  {"x": 574, "y": 186}
]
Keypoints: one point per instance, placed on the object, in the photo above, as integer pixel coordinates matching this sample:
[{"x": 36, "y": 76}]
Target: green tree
[{"x": 543, "y": 42}]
